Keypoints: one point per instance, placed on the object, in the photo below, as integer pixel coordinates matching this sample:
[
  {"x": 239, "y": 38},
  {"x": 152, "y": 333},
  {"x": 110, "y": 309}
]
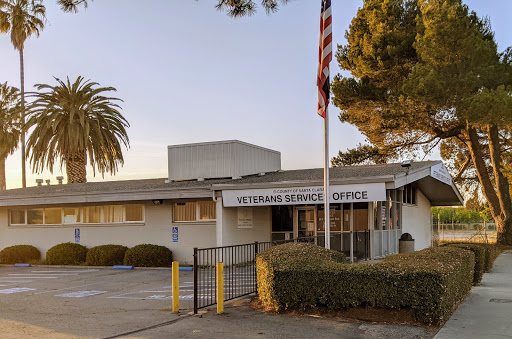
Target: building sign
[
  {"x": 77, "y": 235},
  {"x": 334, "y": 216},
  {"x": 244, "y": 217},
  {"x": 440, "y": 173},
  {"x": 304, "y": 195},
  {"x": 175, "y": 234}
]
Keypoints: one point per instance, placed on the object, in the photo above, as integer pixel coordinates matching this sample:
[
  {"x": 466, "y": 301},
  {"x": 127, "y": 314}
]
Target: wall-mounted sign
[
  {"x": 440, "y": 173},
  {"x": 244, "y": 217},
  {"x": 175, "y": 237},
  {"x": 304, "y": 195},
  {"x": 77, "y": 235}
]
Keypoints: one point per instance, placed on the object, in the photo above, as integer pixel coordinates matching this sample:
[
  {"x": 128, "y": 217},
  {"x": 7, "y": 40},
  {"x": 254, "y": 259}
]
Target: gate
[{"x": 239, "y": 270}]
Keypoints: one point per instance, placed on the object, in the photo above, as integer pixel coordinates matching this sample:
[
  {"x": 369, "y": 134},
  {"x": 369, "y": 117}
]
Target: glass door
[{"x": 305, "y": 222}]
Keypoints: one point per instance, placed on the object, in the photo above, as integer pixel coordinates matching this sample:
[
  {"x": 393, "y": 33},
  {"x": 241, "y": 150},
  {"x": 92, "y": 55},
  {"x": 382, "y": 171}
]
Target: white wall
[
  {"x": 261, "y": 230},
  {"x": 416, "y": 221},
  {"x": 157, "y": 229}
]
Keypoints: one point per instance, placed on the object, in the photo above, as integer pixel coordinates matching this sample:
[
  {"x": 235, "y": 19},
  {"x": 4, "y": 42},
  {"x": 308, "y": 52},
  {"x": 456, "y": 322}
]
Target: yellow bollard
[
  {"x": 175, "y": 286},
  {"x": 220, "y": 288}
]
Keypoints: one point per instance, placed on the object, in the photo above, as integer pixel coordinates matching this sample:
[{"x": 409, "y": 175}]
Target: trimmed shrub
[
  {"x": 430, "y": 282},
  {"x": 147, "y": 255},
  {"x": 491, "y": 252},
  {"x": 66, "y": 254},
  {"x": 106, "y": 255},
  {"x": 19, "y": 254},
  {"x": 481, "y": 257}
]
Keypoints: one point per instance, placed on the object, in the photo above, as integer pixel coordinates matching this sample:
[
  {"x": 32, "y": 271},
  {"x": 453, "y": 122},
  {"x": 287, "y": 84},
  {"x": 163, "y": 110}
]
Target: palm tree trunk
[
  {"x": 76, "y": 167},
  {"x": 2, "y": 173},
  {"x": 23, "y": 155}
]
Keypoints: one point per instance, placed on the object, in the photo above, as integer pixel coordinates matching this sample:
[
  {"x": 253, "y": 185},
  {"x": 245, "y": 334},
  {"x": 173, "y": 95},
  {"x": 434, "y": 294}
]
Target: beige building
[{"x": 231, "y": 192}]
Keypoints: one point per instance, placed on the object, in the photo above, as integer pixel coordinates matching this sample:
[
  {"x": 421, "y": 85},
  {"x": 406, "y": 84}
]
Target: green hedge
[
  {"x": 19, "y": 254},
  {"x": 491, "y": 252},
  {"x": 430, "y": 282},
  {"x": 66, "y": 254},
  {"x": 106, "y": 255},
  {"x": 147, "y": 255},
  {"x": 482, "y": 258}
]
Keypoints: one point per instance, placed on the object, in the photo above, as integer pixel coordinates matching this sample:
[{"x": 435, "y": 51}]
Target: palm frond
[{"x": 75, "y": 118}]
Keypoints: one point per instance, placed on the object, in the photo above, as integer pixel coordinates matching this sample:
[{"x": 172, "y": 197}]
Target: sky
[{"x": 189, "y": 73}]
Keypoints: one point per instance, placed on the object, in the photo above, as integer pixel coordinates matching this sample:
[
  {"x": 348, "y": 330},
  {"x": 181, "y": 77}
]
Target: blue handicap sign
[
  {"x": 175, "y": 234},
  {"x": 77, "y": 235}
]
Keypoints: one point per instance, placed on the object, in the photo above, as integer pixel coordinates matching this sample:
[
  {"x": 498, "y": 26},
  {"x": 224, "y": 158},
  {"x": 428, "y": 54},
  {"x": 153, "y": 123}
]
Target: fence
[
  {"x": 480, "y": 232},
  {"x": 239, "y": 270}
]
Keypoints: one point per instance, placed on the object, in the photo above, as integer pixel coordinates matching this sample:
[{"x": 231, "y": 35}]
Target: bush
[
  {"x": 147, "y": 255},
  {"x": 19, "y": 254},
  {"x": 66, "y": 254},
  {"x": 430, "y": 282},
  {"x": 106, "y": 255},
  {"x": 490, "y": 250},
  {"x": 481, "y": 254}
]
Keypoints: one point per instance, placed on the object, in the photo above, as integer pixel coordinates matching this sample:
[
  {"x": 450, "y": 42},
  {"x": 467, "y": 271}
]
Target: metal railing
[{"x": 239, "y": 270}]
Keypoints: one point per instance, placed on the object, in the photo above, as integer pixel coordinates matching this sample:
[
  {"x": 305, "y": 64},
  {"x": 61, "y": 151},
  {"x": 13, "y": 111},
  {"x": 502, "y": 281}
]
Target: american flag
[{"x": 325, "y": 57}]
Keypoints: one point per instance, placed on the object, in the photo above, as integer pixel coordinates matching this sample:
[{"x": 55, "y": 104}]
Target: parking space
[
  {"x": 93, "y": 302},
  {"x": 139, "y": 284}
]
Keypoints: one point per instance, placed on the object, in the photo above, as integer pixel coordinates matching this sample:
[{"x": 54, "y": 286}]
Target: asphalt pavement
[{"x": 86, "y": 302}]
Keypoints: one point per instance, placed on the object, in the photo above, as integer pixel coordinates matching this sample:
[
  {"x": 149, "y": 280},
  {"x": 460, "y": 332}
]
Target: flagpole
[{"x": 327, "y": 218}]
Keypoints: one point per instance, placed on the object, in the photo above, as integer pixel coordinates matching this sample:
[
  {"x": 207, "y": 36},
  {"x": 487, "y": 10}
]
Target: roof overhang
[
  {"x": 439, "y": 193},
  {"x": 104, "y": 197}
]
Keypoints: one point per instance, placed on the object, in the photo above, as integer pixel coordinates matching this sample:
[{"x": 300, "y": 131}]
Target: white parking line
[
  {"x": 15, "y": 290},
  {"x": 40, "y": 275},
  {"x": 80, "y": 294},
  {"x": 32, "y": 277},
  {"x": 69, "y": 288},
  {"x": 74, "y": 271}
]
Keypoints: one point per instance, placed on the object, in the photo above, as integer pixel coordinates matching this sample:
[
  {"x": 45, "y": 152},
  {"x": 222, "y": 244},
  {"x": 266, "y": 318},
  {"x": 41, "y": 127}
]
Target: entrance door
[{"x": 304, "y": 222}]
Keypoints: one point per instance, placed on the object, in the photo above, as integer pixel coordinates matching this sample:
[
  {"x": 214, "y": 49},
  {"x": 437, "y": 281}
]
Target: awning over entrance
[{"x": 431, "y": 177}]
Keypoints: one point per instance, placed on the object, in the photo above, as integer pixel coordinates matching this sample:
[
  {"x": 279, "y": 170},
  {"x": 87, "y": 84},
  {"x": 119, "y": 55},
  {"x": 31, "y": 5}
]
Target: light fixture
[
  {"x": 158, "y": 202},
  {"x": 406, "y": 163}
]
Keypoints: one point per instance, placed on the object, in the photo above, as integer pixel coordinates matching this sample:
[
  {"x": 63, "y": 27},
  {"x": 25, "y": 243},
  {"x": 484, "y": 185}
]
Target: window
[
  {"x": 18, "y": 216},
  {"x": 71, "y": 215},
  {"x": 194, "y": 211},
  {"x": 35, "y": 216},
  {"x": 113, "y": 214},
  {"x": 134, "y": 213},
  {"x": 387, "y": 215},
  {"x": 206, "y": 210},
  {"x": 109, "y": 214},
  {"x": 92, "y": 215},
  {"x": 53, "y": 215},
  {"x": 409, "y": 195}
]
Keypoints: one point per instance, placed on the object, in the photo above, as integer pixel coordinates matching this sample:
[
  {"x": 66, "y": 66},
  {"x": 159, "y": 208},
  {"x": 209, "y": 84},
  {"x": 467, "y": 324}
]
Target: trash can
[{"x": 406, "y": 243}]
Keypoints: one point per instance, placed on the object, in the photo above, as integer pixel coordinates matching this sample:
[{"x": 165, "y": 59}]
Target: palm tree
[
  {"x": 71, "y": 5},
  {"x": 234, "y": 8},
  {"x": 21, "y": 19},
  {"x": 76, "y": 124},
  {"x": 10, "y": 126}
]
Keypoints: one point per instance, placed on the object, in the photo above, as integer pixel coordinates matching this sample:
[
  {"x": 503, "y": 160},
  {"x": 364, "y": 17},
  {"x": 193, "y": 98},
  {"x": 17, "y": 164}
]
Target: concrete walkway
[{"x": 487, "y": 311}]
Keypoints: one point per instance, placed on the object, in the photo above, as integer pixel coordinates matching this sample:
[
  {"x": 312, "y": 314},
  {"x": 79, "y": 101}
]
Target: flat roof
[{"x": 147, "y": 189}]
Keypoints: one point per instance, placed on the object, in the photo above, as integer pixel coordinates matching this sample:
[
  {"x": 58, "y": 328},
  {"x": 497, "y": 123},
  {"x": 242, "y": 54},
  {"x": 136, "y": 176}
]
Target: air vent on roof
[
  {"x": 39, "y": 182},
  {"x": 60, "y": 179}
]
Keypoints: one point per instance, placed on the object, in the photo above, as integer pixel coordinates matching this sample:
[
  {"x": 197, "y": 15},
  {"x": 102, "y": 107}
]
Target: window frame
[
  {"x": 197, "y": 212},
  {"x": 81, "y": 214}
]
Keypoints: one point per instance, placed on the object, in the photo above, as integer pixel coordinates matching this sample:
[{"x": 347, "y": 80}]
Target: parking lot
[
  {"x": 96, "y": 302},
  {"x": 70, "y": 302}
]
